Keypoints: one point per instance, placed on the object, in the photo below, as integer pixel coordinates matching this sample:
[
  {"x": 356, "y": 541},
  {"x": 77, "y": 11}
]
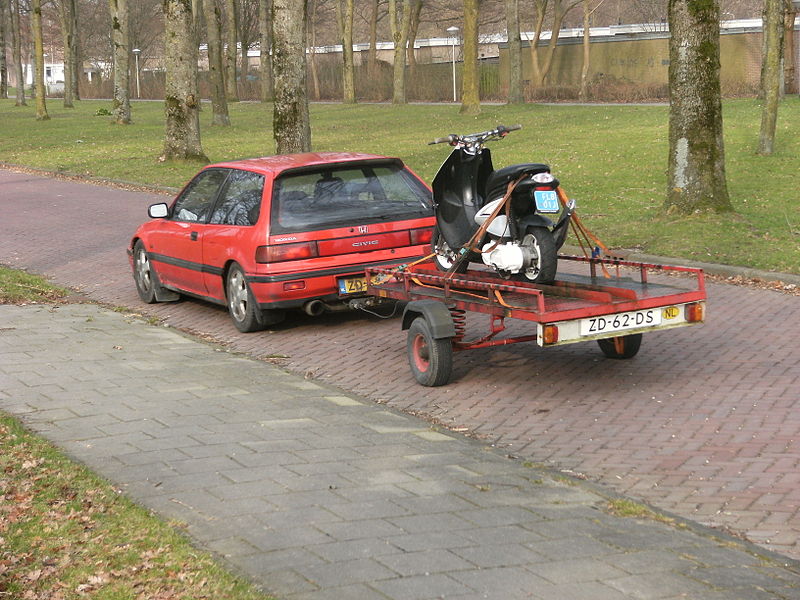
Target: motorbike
[{"x": 499, "y": 217}]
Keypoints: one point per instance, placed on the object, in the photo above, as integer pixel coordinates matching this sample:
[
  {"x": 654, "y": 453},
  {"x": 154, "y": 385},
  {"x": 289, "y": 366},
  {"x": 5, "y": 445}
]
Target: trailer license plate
[
  {"x": 620, "y": 322},
  {"x": 352, "y": 285}
]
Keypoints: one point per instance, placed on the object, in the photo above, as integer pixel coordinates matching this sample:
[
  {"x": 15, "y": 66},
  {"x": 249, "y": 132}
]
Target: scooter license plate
[{"x": 546, "y": 201}]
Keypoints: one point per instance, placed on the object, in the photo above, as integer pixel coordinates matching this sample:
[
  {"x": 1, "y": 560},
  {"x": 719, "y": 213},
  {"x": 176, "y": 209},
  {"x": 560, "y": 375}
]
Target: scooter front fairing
[{"x": 458, "y": 194}]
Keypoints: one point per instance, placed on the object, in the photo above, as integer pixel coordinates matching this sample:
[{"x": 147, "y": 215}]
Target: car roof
[{"x": 274, "y": 165}]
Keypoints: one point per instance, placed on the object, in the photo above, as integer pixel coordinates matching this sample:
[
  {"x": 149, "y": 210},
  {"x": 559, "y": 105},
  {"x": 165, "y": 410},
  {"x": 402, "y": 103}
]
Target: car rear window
[{"x": 338, "y": 196}]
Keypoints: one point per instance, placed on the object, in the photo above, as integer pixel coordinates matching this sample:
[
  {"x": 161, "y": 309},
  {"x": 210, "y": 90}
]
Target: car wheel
[
  {"x": 147, "y": 284},
  {"x": 242, "y": 305}
]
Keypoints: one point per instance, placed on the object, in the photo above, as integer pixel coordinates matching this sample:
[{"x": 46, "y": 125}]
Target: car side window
[
  {"x": 196, "y": 201},
  {"x": 240, "y": 200}
]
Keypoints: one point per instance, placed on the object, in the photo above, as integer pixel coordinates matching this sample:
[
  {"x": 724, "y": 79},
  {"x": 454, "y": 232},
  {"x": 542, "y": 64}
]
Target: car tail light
[
  {"x": 299, "y": 251},
  {"x": 293, "y": 286},
  {"x": 549, "y": 334},
  {"x": 695, "y": 312},
  {"x": 421, "y": 236}
]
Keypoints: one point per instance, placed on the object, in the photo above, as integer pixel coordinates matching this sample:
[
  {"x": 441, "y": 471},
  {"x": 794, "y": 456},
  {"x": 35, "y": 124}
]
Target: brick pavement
[
  {"x": 314, "y": 493},
  {"x": 702, "y": 423}
]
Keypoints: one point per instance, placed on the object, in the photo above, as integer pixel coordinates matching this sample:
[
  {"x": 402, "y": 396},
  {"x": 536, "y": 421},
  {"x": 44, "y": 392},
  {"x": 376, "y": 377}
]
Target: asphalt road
[{"x": 704, "y": 422}]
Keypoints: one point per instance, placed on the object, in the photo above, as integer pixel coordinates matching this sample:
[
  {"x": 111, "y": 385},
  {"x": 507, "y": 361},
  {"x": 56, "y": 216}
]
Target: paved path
[
  {"x": 316, "y": 493},
  {"x": 703, "y": 423}
]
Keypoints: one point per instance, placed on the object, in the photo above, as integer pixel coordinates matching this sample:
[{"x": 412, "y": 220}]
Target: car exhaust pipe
[{"x": 314, "y": 308}]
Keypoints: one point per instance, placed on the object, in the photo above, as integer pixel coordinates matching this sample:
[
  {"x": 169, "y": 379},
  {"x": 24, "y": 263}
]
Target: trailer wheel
[
  {"x": 431, "y": 359},
  {"x": 622, "y": 346}
]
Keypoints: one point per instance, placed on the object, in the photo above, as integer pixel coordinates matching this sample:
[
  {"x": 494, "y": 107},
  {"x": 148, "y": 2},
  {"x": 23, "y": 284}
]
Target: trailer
[{"x": 607, "y": 300}]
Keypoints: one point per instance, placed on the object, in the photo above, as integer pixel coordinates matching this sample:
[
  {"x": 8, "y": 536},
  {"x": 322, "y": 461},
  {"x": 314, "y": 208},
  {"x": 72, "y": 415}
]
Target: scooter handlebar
[
  {"x": 452, "y": 139},
  {"x": 444, "y": 140}
]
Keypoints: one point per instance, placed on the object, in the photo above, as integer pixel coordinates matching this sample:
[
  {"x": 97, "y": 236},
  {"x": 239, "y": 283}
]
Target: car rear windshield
[{"x": 339, "y": 196}]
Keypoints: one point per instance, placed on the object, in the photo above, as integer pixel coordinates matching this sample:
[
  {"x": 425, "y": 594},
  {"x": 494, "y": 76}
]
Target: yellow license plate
[{"x": 353, "y": 285}]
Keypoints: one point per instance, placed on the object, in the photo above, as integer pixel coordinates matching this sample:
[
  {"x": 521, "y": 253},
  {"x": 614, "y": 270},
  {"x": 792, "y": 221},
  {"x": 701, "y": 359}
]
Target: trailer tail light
[
  {"x": 695, "y": 312},
  {"x": 299, "y": 251},
  {"x": 421, "y": 236},
  {"x": 549, "y": 334}
]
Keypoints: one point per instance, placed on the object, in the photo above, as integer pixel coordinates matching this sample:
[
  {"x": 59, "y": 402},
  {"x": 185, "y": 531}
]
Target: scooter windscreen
[{"x": 458, "y": 195}]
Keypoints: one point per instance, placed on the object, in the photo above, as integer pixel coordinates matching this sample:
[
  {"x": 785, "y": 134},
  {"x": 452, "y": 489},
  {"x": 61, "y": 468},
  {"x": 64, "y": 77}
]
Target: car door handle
[{"x": 193, "y": 236}]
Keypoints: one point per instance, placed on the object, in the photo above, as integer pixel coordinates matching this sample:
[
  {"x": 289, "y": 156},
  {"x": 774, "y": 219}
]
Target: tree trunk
[
  {"x": 413, "y": 28},
  {"x": 231, "y": 29},
  {"x": 790, "y": 55},
  {"x": 16, "y": 47},
  {"x": 312, "y": 56},
  {"x": 587, "y": 21},
  {"x": 3, "y": 64},
  {"x": 216, "y": 69},
  {"x": 75, "y": 52},
  {"x": 65, "y": 8},
  {"x": 541, "y": 8},
  {"x": 121, "y": 103},
  {"x": 470, "y": 83},
  {"x": 38, "y": 49},
  {"x": 265, "y": 42},
  {"x": 560, "y": 10},
  {"x": 696, "y": 172},
  {"x": 771, "y": 73},
  {"x": 348, "y": 68},
  {"x": 290, "y": 121},
  {"x": 400, "y": 38},
  {"x": 181, "y": 102},
  {"x": 514, "y": 53},
  {"x": 372, "y": 54}
]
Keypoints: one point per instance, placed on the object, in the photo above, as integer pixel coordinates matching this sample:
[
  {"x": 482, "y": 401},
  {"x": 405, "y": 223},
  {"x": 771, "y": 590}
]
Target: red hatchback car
[{"x": 269, "y": 234}]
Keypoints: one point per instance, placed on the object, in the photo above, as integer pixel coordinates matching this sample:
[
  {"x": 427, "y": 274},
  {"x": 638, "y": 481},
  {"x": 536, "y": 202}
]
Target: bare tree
[
  {"x": 16, "y": 47},
  {"x": 181, "y": 102},
  {"x": 771, "y": 73},
  {"x": 121, "y": 102},
  {"x": 38, "y": 51},
  {"x": 290, "y": 121},
  {"x": 790, "y": 62},
  {"x": 3, "y": 64},
  {"x": 231, "y": 30},
  {"x": 560, "y": 8},
  {"x": 216, "y": 69},
  {"x": 265, "y": 42},
  {"x": 514, "y": 53},
  {"x": 66, "y": 10},
  {"x": 587, "y": 22},
  {"x": 348, "y": 67},
  {"x": 248, "y": 33},
  {"x": 696, "y": 170},
  {"x": 400, "y": 39},
  {"x": 470, "y": 93}
]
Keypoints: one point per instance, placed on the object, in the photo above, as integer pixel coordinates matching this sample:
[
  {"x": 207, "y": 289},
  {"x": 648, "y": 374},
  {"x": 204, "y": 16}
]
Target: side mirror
[{"x": 158, "y": 211}]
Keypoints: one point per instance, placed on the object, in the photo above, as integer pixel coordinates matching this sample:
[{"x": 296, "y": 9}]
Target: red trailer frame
[{"x": 619, "y": 308}]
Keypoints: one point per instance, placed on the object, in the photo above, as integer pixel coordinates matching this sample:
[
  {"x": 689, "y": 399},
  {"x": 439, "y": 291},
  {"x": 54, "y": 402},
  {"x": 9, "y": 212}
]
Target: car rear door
[{"x": 176, "y": 245}]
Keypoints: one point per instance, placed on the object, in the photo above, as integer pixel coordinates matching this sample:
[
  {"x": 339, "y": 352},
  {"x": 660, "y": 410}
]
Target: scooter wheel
[
  {"x": 540, "y": 244},
  {"x": 444, "y": 257}
]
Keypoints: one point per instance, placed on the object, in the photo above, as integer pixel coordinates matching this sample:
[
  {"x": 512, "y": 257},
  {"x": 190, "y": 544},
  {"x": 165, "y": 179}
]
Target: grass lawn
[{"x": 612, "y": 159}]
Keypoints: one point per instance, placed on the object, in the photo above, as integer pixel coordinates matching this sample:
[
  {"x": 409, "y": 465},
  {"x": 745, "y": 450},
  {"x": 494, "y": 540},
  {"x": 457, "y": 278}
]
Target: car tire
[
  {"x": 242, "y": 305},
  {"x": 144, "y": 274}
]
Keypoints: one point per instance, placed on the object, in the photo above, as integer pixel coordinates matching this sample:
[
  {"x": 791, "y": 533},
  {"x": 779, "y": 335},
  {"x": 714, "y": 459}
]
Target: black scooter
[{"x": 500, "y": 218}]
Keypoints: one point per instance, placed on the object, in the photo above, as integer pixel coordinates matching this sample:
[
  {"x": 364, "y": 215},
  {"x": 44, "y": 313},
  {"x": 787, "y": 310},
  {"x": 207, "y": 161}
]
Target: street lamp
[
  {"x": 453, "y": 31},
  {"x": 136, "y": 53}
]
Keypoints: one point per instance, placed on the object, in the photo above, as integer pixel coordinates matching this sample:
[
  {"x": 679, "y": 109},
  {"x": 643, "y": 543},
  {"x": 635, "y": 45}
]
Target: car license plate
[
  {"x": 546, "y": 201},
  {"x": 620, "y": 322},
  {"x": 352, "y": 285}
]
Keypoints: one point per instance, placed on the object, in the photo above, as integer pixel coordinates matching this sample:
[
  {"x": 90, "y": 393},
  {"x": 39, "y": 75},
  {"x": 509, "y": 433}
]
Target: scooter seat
[{"x": 497, "y": 183}]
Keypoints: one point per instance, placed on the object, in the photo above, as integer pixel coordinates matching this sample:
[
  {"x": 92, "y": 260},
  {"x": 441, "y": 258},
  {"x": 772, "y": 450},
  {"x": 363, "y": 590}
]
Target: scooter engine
[{"x": 507, "y": 256}]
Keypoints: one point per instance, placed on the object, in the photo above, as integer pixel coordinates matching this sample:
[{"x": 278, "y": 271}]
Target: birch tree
[
  {"x": 470, "y": 83},
  {"x": 771, "y": 73},
  {"x": 514, "y": 53},
  {"x": 290, "y": 120},
  {"x": 216, "y": 69},
  {"x": 181, "y": 101},
  {"x": 121, "y": 103},
  {"x": 696, "y": 173},
  {"x": 16, "y": 53},
  {"x": 38, "y": 52}
]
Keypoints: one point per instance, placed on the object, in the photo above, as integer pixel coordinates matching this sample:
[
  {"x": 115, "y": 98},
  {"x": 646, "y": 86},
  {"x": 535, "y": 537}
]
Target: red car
[{"x": 284, "y": 232}]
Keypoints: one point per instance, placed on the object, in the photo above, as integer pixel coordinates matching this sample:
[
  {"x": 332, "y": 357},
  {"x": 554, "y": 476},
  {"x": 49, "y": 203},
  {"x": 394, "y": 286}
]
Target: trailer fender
[{"x": 436, "y": 314}]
